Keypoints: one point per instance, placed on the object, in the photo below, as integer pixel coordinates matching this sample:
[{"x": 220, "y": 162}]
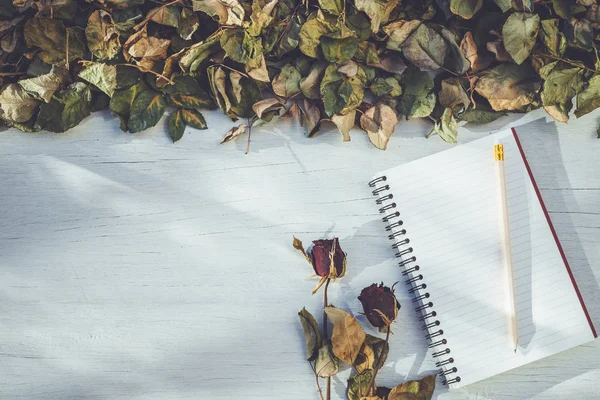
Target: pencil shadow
[{"x": 521, "y": 248}]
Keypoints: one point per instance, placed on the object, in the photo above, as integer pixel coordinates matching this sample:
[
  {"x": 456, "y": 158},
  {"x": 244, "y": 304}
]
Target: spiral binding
[{"x": 422, "y": 300}]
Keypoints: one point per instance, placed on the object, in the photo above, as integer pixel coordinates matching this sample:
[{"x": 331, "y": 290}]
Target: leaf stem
[
  {"x": 567, "y": 62},
  {"x": 249, "y": 134},
  {"x": 317, "y": 380},
  {"x": 138, "y": 67},
  {"x": 372, "y": 382}
]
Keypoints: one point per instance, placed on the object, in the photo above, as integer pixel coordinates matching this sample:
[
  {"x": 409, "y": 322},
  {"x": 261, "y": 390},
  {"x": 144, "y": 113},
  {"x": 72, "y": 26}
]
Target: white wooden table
[{"x": 132, "y": 268}]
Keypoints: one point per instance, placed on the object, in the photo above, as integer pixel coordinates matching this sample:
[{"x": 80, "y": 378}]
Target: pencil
[{"x": 513, "y": 325}]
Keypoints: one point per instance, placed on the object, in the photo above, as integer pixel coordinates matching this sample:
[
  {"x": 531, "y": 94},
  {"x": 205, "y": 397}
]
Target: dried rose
[
  {"x": 326, "y": 257},
  {"x": 322, "y": 261},
  {"x": 379, "y": 304}
]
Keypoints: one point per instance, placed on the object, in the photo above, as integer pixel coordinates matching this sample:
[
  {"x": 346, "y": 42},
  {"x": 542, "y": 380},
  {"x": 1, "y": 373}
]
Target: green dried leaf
[
  {"x": 554, "y": 40},
  {"x": 326, "y": 364},
  {"x": 66, "y": 109},
  {"x": 380, "y": 350},
  {"x": 425, "y": 48},
  {"x": 188, "y": 24},
  {"x": 508, "y": 86},
  {"x": 465, "y": 8},
  {"x": 312, "y": 334},
  {"x": 50, "y": 36},
  {"x": 520, "y": 33},
  {"x": 310, "y": 85},
  {"x": 339, "y": 50},
  {"x": 103, "y": 76},
  {"x": 480, "y": 115},
  {"x": 44, "y": 86},
  {"x": 417, "y": 100},
  {"x": 386, "y": 86},
  {"x": 168, "y": 16},
  {"x": 102, "y": 35},
  {"x": 194, "y": 118},
  {"x": 331, "y": 6},
  {"x": 16, "y": 105},
  {"x": 197, "y": 100},
  {"x": 310, "y": 36},
  {"x": 146, "y": 110},
  {"x": 335, "y": 91},
  {"x": 589, "y": 99},
  {"x": 562, "y": 85},
  {"x": 287, "y": 82},
  {"x": 176, "y": 125},
  {"x": 358, "y": 385},
  {"x": 447, "y": 127}
]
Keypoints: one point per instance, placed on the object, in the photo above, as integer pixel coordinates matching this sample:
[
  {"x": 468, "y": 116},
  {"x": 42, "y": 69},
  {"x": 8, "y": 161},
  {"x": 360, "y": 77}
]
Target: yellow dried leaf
[{"x": 347, "y": 337}]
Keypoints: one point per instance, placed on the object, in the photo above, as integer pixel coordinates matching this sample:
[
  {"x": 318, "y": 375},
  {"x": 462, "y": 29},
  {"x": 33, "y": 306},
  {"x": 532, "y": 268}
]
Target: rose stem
[
  {"x": 372, "y": 382},
  {"x": 317, "y": 380},
  {"x": 328, "y": 389}
]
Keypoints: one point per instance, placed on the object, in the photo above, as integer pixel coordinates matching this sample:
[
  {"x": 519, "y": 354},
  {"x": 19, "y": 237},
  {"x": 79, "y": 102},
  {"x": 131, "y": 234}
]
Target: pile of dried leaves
[
  {"x": 356, "y": 63},
  {"x": 348, "y": 343}
]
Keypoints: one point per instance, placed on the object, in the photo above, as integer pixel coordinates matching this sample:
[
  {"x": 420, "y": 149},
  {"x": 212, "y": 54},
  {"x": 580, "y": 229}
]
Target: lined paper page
[{"x": 449, "y": 203}]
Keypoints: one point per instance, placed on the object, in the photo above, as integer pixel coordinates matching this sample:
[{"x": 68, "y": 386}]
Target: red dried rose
[
  {"x": 379, "y": 304},
  {"x": 321, "y": 260},
  {"x": 326, "y": 257}
]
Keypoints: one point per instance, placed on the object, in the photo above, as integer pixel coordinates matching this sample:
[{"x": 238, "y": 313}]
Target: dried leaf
[
  {"x": 417, "y": 100},
  {"x": 176, "y": 125},
  {"x": 101, "y": 75},
  {"x": 102, "y": 36},
  {"x": 465, "y": 8},
  {"x": 379, "y": 121},
  {"x": 447, "y": 127},
  {"x": 44, "y": 86},
  {"x": 347, "y": 336},
  {"x": 66, "y": 109},
  {"x": 562, "y": 85},
  {"x": 425, "y": 48},
  {"x": 16, "y": 105},
  {"x": 146, "y": 110},
  {"x": 357, "y": 386},
  {"x": 377, "y": 10},
  {"x": 312, "y": 334},
  {"x": 326, "y": 364},
  {"x": 234, "y": 132},
  {"x": 266, "y": 105},
  {"x": 421, "y": 389},
  {"x": 508, "y": 86},
  {"x": 520, "y": 33},
  {"x": 287, "y": 83},
  {"x": 589, "y": 99},
  {"x": 194, "y": 118},
  {"x": 50, "y": 36},
  {"x": 344, "y": 123}
]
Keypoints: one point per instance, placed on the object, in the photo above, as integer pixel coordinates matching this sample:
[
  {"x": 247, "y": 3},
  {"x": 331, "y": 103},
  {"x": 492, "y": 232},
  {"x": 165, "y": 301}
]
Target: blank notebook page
[{"x": 449, "y": 203}]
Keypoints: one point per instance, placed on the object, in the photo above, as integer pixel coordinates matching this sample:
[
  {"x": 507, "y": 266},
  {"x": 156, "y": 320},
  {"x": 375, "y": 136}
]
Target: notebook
[{"x": 443, "y": 214}]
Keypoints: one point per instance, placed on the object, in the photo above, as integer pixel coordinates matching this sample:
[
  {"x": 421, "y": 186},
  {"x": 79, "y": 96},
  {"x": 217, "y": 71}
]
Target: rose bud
[
  {"x": 322, "y": 261},
  {"x": 326, "y": 257},
  {"x": 379, "y": 304}
]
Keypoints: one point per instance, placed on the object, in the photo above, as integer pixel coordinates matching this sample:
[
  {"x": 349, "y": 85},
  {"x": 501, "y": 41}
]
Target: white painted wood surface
[{"x": 132, "y": 268}]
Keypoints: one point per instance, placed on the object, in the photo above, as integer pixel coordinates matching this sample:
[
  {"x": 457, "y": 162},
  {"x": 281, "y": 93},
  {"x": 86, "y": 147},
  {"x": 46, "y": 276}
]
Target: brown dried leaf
[
  {"x": 347, "y": 336},
  {"x": 234, "y": 132},
  {"x": 344, "y": 123},
  {"x": 421, "y": 389},
  {"x": 379, "y": 121}
]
